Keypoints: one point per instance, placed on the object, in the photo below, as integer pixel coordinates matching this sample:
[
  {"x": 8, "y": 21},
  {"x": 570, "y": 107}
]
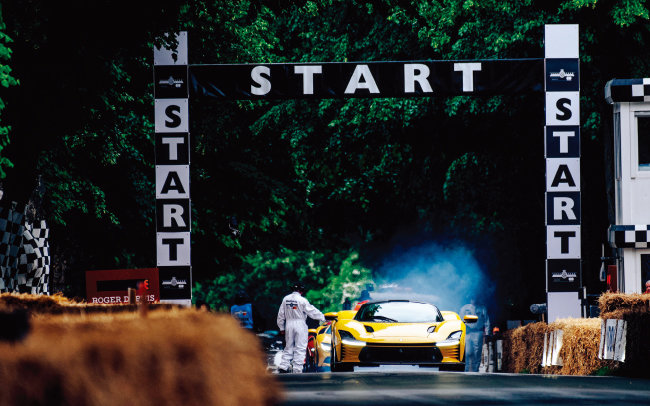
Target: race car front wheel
[{"x": 339, "y": 366}]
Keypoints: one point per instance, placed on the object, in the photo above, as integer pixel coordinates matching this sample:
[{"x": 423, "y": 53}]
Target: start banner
[{"x": 362, "y": 79}]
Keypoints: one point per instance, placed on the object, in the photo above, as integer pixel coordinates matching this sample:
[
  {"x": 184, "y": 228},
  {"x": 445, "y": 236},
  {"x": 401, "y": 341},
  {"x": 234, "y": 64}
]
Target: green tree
[
  {"x": 307, "y": 180},
  {"x": 6, "y": 80}
]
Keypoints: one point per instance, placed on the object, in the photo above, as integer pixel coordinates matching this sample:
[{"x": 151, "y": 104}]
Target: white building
[{"x": 631, "y": 233}]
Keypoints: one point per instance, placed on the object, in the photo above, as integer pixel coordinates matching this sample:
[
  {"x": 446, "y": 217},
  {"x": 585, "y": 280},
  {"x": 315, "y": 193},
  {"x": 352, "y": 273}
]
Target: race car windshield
[{"x": 399, "y": 312}]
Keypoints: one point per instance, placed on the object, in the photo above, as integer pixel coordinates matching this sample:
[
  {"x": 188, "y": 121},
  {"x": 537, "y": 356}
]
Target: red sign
[
  {"x": 112, "y": 286},
  {"x": 612, "y": 278}
]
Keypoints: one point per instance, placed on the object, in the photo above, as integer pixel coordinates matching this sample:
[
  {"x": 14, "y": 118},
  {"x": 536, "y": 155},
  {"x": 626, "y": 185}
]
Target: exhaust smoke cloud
[{"x": 445, "y": 276}]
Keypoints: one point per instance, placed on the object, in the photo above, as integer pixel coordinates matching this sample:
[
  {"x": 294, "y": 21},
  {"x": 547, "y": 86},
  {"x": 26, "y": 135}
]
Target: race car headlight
[
  {"x": 454, "y": 338},
  {"x": 326, "y": 346},
  {"x": 348, "y": 339}
]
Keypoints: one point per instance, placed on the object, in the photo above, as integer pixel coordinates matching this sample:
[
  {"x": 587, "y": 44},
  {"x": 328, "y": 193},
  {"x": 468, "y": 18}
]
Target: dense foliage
[
  {"x": 320, "y": 188},
  {"x": 6, "y": 80}
]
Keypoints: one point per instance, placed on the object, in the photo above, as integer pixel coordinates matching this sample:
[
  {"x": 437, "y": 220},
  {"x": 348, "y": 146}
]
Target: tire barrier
[{"x": 24, "y": 253}]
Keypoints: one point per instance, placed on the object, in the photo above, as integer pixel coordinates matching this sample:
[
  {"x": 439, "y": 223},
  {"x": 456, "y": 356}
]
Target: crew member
[
  {"x": 647, "y": 286},
  {"x": 474, "y": 334},
  {"x": 292, "y": 317}
]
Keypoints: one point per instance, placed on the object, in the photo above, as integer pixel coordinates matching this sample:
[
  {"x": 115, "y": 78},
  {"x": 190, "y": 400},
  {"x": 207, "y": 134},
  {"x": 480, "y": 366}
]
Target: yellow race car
[
  {"x": 320, "y": 338},
  {"x": 398, "y": 332}
]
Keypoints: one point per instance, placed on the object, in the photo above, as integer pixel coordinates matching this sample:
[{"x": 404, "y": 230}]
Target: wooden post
[{"x": 132, "y": 300}]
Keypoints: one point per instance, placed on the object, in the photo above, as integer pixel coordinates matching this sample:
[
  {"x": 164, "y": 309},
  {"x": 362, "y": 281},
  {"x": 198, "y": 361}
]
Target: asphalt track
[{"x": 458, "y": 388}]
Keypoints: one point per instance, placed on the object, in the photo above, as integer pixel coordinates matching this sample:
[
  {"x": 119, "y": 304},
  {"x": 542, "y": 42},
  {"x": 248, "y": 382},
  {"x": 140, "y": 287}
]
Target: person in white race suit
[{"x": 292, "y": 317}]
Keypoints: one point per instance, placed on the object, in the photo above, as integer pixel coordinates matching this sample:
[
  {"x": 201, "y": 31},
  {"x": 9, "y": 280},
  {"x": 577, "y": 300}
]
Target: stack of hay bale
[
  {"x": 634, "y": 310},
  {"x": 616, "y": 343},
  {"x": 564, "y": 347},
  {"x": 168, "y": 356}
]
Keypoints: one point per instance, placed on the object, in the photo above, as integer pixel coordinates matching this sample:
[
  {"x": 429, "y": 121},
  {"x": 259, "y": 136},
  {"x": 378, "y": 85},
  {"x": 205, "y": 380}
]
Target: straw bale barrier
[
  {"x": 580, "y": 344},
  {"x": 635, "y": 310},
  {"x": 524, "y": 346},
  {"x": 175, "y": 356},
  {"x": 59, "y": 304},
  {"x": 611, "y": 302}
]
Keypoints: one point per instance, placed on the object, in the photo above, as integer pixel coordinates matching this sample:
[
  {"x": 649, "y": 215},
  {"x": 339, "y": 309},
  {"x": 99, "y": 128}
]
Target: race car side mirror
[
  {"x": 470, "y": 319},
  {"x": 331, "y": 316}
]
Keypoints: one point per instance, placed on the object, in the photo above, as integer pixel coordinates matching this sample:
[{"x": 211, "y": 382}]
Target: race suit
[
  {"x": 292, "y": 318},
  {"x": 474, "y": 335}
]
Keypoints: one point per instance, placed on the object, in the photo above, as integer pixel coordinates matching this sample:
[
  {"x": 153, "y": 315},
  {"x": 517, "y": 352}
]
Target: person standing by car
[
  {"x": 292, "y": 317},
  {"x": 474, "y": 334}
]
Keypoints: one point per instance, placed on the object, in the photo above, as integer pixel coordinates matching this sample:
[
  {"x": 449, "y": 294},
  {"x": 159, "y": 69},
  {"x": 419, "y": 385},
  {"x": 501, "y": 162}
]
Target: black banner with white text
[{"x": 365, "y": 79}]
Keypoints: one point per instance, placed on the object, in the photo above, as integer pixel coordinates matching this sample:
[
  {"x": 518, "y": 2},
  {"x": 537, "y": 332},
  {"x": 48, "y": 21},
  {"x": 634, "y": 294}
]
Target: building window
[{"x": 643, "y": 134}]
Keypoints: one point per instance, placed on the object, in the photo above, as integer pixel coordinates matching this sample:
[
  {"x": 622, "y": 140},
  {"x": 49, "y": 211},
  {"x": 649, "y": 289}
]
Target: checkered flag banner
[
  {"x": 24, "y": 253},
  {"x": 34, "y": 259},
  {"x": 629, "y": 236},
  {"x": 627, "y": 90},
  {"x": 11, "y": 229}
]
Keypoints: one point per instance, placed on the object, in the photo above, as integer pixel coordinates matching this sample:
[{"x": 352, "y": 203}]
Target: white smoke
[{"x": 447, "y": 277}]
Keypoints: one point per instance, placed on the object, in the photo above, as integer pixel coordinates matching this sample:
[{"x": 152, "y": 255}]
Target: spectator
[
  {"x": 347, "y": 305},
  {"x": 474, "y": 334},
  {"x": 242, "y": 310}
]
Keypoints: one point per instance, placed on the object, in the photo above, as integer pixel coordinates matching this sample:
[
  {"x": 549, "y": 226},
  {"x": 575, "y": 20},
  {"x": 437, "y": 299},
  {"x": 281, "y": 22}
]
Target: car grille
[
  {"x": 349, "y": 353},
  {"x": 400, "y": 353},
  {"x": 451, "y": 352}
]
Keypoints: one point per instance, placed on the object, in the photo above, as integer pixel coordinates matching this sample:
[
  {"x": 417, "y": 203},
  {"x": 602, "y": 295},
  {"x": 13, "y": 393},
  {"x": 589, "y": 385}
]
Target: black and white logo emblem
[
  {"x": 171, "y": 82},
  {"x": 570, "y": 276},
  {"x": 174, "y": 283},
  {"x": 562, "y": 76}
]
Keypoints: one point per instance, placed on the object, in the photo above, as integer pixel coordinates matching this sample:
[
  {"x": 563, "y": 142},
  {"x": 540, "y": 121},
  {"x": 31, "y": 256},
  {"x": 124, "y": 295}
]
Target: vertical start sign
[
  {"x": 562, "y": 152},
  {"x": 173, "y": 254}
]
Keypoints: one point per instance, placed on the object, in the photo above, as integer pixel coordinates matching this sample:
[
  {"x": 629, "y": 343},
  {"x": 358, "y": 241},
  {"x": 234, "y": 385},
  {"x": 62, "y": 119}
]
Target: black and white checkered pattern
[
  {"x": 629, "y": 236},
  {"x": 627, "y": 90},
  {"x": 24, "y": 254},
  {"x": 11, "y": 229},
  {"x": 34, "y": 260}
]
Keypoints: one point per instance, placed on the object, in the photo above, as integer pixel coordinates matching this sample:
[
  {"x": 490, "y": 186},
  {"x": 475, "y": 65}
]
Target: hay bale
[
  {"x": 580, "y": 345},
  {"x": 38, "y": 303},
  {"x": 523, "y": 348},
  {"x": 59, "y": 304},
  {"x": 609, "y": 302},
  {"x": 634, "y": 308},
  {"x": 637, "y": 350},
  {"x": 171, "y": 357}
]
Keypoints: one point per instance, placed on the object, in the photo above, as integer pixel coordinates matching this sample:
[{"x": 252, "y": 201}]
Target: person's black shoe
[{"x": 283, "y": 371}]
